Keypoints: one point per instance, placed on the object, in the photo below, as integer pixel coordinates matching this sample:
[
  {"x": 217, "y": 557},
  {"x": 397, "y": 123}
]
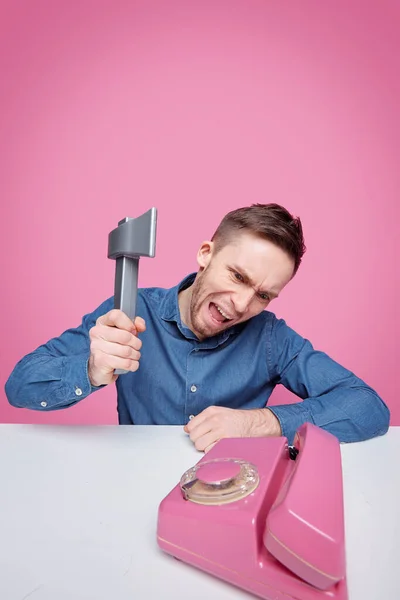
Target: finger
[
  {"x": 195, "y": 422},
  {"x": 116, "y": 318},
  {"x": 140, "y": 324},
  {"x": 208, "y": 448},
  {"x": 201, "y": 429},
  {"x": 118, "y": 336},
  {"x": 110, "y": 362},
  {"x": 206, "y": 441},
  {"x": 112, "y": 349}
]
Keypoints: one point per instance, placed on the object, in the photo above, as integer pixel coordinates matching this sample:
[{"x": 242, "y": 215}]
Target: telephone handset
[{"x": 263, "y": 515}]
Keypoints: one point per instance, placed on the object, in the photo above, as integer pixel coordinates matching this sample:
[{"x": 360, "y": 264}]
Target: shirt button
[
  {"x": 78, "y": 392},
  {"x": 44, "y": 404},
  {"x": 191, "y": 417},
  {"x": 193, "y": 388}
]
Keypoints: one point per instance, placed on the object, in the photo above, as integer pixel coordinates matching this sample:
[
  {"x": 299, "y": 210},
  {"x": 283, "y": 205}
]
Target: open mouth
[{"x": 218, "y": 314}]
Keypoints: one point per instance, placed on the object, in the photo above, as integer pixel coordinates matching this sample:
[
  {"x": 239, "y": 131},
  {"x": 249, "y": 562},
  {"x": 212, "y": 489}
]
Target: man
[{"x": 206, "y": 354}]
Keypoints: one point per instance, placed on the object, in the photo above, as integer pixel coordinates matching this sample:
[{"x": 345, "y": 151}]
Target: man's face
[{"x": 236, "y": 283}]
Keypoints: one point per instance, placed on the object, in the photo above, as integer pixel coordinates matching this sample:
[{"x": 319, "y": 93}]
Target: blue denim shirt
[{"x": 180, "y": 376}]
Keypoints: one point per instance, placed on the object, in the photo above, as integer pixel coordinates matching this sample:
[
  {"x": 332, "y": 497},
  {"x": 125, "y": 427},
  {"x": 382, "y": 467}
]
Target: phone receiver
[
  {"x": 263, "y": 516},
  {"x": 305, "y": 526}
]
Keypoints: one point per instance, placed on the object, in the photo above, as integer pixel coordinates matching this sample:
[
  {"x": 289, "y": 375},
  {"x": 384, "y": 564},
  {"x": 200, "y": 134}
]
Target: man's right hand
[{"x": 114, "y": 345}]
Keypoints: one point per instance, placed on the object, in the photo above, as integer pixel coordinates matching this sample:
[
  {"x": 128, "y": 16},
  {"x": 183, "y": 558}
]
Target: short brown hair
[{"x": 269, "y": 221}]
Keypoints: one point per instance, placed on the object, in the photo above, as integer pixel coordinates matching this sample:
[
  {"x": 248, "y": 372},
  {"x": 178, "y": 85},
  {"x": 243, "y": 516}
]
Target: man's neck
[{"x": 184, "y": 299}]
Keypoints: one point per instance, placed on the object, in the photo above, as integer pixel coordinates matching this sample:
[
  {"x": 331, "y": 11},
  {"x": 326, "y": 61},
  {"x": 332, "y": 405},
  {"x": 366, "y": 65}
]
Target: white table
[{"x": 78, "y": 514}]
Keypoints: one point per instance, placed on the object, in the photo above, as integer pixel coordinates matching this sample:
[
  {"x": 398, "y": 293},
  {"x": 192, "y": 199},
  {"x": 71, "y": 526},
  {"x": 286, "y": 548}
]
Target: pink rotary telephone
[{"x": 264, "y": 516}]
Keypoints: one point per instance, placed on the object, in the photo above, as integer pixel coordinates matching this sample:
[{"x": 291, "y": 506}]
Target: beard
[
  {"x": 198, "y": 298},
  {"x": 195, "y": 304}
]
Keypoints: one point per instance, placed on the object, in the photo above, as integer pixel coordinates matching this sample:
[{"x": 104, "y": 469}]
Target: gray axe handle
[{"x": 132, "y": 239}]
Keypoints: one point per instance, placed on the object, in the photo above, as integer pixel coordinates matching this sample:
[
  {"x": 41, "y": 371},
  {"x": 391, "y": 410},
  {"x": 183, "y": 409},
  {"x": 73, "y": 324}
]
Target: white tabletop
[{"x": 78, "y": 515}]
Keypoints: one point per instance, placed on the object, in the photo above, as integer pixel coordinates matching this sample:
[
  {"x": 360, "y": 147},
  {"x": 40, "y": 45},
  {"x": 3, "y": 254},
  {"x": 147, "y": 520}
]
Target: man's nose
[{"x": 242, "y": 300}]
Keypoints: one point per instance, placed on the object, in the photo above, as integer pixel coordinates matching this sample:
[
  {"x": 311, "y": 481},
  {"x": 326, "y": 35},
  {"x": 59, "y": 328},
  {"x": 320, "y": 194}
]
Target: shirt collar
[
  {"x": 169, "y": 307},
  {"x": 169, "y": 311}
]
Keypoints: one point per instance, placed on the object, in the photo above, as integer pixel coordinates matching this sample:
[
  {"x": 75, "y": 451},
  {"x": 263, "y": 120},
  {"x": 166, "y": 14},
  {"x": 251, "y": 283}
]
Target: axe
[{"x": 132, "y": 239}]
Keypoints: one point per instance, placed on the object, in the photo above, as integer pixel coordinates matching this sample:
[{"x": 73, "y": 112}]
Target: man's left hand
[{"x": 216, "y": 422}]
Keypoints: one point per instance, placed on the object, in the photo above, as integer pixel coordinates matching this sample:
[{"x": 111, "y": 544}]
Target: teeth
[{"x": 222, "y": 312}]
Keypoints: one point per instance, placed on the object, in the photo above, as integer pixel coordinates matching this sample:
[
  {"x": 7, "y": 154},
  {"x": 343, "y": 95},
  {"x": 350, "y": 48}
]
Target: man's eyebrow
[{"x": 248, "y": 279}]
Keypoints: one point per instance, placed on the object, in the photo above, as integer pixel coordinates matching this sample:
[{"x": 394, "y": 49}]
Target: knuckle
[
  {"x": 113, "y": 317},
  {"x": 93, "y": 346},
  {"x": 127, "y": 365},
  {"x": 96, "y": 361},
  {"x": 125, "y": 337},
  {"x": 93, "y": 332},
  {"x": 125, "y": 351}
]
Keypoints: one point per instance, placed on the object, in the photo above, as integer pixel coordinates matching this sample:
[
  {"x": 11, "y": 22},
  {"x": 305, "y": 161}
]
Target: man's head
[{"x": 251, "y": 257}]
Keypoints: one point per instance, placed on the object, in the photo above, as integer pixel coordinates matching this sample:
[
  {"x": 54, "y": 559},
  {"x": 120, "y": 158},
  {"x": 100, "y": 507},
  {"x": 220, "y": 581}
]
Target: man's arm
[
  {"x": 55, "y": 375},
  {"x": 333, "y": 397}
]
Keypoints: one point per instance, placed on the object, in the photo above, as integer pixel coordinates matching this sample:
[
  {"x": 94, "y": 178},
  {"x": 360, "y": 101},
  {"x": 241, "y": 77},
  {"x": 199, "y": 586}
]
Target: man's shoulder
[
  {"x": 154, "y": 292},
  {"x": 260, "y": 325},
  {"x": 265, "y": 319},
  {"x": 160, "y": 300},
  {"x": 270, "y": 323}
]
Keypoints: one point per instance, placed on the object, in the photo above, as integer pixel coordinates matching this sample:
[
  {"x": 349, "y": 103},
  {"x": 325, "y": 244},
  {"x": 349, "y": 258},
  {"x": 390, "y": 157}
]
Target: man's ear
[{"x": 204, "y": 254}]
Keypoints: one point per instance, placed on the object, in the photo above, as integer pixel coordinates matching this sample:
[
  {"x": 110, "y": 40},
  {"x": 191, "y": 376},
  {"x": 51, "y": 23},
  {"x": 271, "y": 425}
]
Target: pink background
[{"x": 109, "y": 108}]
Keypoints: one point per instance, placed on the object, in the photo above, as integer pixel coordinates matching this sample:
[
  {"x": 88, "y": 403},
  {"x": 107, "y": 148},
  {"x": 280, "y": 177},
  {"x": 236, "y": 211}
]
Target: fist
[
  {"x": 114, "y": 344},
  {"x": 217, "y": 422}
]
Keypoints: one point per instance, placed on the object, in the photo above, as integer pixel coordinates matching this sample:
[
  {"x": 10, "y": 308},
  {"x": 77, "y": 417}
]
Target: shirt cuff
[
  {"x": 74, "y": 385},
  {"x": 291, "y": 417}
]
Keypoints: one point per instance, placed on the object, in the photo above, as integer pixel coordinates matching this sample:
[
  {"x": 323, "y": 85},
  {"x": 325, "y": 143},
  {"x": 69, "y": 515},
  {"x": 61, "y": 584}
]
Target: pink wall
[{"x": 109, "y": 108}]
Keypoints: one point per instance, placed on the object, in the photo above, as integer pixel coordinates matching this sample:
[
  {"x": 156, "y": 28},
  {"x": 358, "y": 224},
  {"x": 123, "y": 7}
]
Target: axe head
[{"x": 134, "y": 238}]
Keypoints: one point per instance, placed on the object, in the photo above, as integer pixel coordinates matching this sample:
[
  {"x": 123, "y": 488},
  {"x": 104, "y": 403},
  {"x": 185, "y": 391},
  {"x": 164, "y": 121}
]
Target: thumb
[{"x": 140, "y": 324}]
